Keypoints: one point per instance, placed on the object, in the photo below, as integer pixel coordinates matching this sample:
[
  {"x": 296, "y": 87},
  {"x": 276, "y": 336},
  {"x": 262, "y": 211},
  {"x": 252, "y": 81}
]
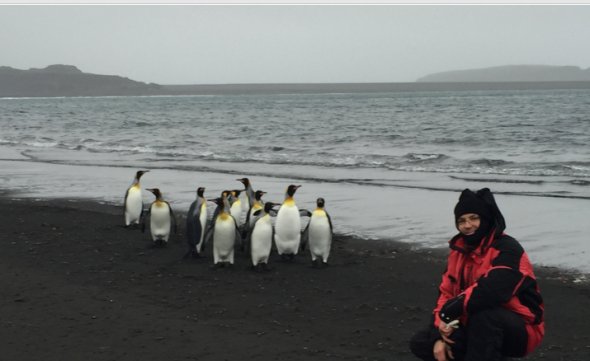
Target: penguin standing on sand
[
  {"x": 248, "y": 193},
  {"x": 134, "y": 201},
  {"x": 288, "y": 226},
  {"x": 224, "y": 231},
  {"x": 260, "y": 236},
  {"x": 258, "y": 204},
  {"x": 161, "y": 219},
  {"x": 236, "y": 206},
  {"x": 319, "y": 233},
  {"x": 196, "y": 222}
]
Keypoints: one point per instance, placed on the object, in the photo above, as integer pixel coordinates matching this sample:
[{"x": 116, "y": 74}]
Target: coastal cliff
[{"x": 67, "y": 80}]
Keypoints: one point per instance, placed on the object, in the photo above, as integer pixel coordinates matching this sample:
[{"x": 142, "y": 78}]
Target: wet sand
[{"x": 77, "y": 285}]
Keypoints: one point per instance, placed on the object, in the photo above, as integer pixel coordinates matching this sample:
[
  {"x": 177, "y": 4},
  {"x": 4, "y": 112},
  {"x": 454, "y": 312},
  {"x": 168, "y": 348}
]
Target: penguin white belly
[
  {"x": 288, "y": 230},
  {"x": 261, "y": 241},
  {"x": 160, "y": 222},
  {"x": 245, "y": 201},
  {"x": 252, "y": 217},
  {"x": 236, "y": 211},
  {"x": 320, "y": 237},
  {"x": 224, "y": 238},
  {"x": 203, "y": 221},
  {"x": 133, "y": 205}
]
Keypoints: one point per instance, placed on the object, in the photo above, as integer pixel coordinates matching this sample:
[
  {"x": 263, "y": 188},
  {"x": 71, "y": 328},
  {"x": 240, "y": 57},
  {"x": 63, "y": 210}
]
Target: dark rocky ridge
[{"x": 67, "y": 80}]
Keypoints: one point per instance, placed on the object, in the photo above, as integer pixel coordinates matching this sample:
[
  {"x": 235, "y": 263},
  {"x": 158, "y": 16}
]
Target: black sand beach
[{"x": 76, "y": 285}]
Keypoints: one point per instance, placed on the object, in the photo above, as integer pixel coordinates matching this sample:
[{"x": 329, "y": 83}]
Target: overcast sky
[{"x": 205, "y": 44}]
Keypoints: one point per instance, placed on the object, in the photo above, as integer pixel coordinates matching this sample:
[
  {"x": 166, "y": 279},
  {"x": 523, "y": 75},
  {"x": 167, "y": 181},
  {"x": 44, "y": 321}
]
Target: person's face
[{"x": 468, "y": 223}]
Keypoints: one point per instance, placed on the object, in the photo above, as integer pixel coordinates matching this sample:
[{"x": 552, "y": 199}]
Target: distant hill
[
  {"x": 67, "y": 80},
  {"x": 511, "y": 73}
]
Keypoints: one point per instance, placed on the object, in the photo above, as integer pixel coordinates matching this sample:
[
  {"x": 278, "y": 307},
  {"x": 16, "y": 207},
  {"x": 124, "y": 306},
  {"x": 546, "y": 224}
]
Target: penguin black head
[
  {"x": 155, "y": 191},
  {"x": 139, "y": 173},
  {"x": 291, "y": 189},
  {"x": 245, "y": 181},
  {"x": 200, "y": 191},
  {"x": 268, "y": 206},
  {"x": 218, "y": 201},
  {"x": 236, "y": 192},
  {"x": 225, "y": 193},
  {"x": 320, "y": 202},
  {"x": 258, "y": 194}
]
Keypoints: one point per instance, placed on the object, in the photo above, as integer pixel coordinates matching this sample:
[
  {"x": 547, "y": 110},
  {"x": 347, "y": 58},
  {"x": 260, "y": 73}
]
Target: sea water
[{"x": 390, "y": 165}]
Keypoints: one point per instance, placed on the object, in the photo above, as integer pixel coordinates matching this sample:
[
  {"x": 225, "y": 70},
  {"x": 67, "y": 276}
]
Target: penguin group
[{"x": 241, "y": 220}]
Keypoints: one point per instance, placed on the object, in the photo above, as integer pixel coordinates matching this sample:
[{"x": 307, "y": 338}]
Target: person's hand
[
  {"x": 445, "y": 331},
  {"x": 442, "y": 351}
]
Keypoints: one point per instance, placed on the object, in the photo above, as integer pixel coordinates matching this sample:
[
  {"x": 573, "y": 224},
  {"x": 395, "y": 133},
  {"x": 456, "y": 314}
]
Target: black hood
[{"x": 497, "y": 224}]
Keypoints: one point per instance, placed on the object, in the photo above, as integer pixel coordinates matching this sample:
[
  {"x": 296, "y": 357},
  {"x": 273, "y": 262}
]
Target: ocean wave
[
  {"x": 490, "y": 162},
  {"x": 499, "y": 180},
  {"x": 425, "y": 157}
]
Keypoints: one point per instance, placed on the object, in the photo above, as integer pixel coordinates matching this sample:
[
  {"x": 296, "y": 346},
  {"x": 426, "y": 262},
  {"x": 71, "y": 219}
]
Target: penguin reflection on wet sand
[
  {"x": 196, "y": 221},
  {"x": 134, "y": 201},
  {"x": 161, "y": 219},
  {"x": 288, "y": 226},
  {"x": 224, "y": 231},
  {"x": 319, "y": 234},
  {"x": 260, "y": 236}
]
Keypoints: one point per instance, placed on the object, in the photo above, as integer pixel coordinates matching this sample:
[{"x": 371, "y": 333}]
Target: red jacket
[{"x": 497, "y": 273}]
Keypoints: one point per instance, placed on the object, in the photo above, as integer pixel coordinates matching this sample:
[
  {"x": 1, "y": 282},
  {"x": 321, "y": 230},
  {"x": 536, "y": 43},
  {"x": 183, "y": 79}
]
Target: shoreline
[{"x": 77, "y": 284}]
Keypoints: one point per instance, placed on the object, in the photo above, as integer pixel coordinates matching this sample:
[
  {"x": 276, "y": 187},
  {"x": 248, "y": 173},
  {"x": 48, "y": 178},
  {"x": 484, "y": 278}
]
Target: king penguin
[
  {"x": 247, "y": 226},
  {"x": 248, "y": 194},
  {"x": 236, "y": 206},
  {"x": 134, "y": 201},
  {"x": 260, "y": 236},
  {"x": 196, "y": 222},
  {"x": 224, "y": 231},
  {"x": 319, "y": 233},
  {"x": 161, "y": 219},
  {"x": 258, "y": 204},
  {"x": 288, "y": 226}
]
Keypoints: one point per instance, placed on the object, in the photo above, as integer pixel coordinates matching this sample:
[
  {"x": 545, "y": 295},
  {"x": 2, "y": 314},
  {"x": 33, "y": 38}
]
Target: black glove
[{"x": 452, "y": 309}]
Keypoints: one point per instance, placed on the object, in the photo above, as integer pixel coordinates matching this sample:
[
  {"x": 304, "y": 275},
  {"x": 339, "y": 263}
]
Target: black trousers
[{"x": 490, "y": 335}]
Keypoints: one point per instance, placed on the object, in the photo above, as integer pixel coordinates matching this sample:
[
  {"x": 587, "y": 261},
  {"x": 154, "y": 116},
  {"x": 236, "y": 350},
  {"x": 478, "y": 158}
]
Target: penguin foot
[
  {"x": 261, "y": 267},
  {"x": 191, "y": 254},
  {"x": 288, "y": 257}
]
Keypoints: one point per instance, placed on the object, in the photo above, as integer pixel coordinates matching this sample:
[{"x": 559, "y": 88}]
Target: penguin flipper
[
  {"x": 174, "y": 224},
  {"x": 238, "y": 235},
  {"x": 304, "y": 237},
  {"x": 304, "y": 213},
  {"x": 330, "y": 223},
  {"x": 145, "y": 219}
]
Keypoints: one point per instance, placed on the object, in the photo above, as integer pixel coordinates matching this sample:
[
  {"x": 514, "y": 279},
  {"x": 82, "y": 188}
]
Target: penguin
[
  {"x": 196, "y": 222},
  {"x": 319, "y": 233},
  {"x": 250, "y": 218},
  {"x": 161, "y": 219},
  {"x": 134, "y": 201},
  {"x": 224, "y": 232},
  {"x": 288, "y": 226},
  {"x": 258, "y": 204},
  {"x": 248, "y": 193},
  {"x": 236, "y": 206},
  {"x": 261, "y": 235}
]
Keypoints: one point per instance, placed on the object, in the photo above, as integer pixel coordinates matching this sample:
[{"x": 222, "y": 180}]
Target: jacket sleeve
[
  {"x": 445, "y": 292},
  {"x": 500, "y": 282}
]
